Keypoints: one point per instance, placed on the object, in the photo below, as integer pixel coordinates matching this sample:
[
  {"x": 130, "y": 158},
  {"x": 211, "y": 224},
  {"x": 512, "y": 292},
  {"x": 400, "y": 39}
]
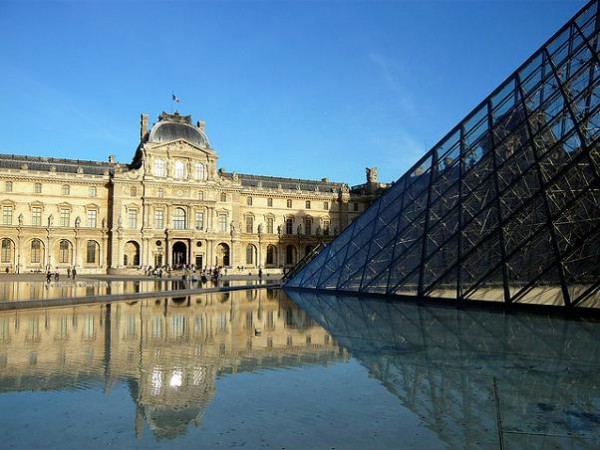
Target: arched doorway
[
  {"x": 250, "y": 255},
  {"x": 290, "y": 255},
  {"x": 179, "y": 254},
  {"x": 222, "y": 255},
  {"x": 131, "y": 256},
  {"x": 271, "y": 255}
]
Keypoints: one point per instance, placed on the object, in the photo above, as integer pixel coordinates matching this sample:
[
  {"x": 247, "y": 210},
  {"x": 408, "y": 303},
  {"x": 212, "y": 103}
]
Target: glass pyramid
[{"x": 505, "y": 208}]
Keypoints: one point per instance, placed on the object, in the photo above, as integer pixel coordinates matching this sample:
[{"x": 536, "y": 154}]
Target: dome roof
[{"x": 173, "y": 127}]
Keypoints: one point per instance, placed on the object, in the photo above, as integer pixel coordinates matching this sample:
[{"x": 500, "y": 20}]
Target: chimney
[
  {"x": 143, "y": 126},
  {"x": 201, "y": 124},
  {"x": 112, "y": 159}
]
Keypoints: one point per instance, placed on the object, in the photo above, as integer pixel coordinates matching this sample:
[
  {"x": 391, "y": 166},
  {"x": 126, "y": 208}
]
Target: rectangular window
[
  {"x": 326, "y": 227},
  {"x": 289, "y": 203},
  {"x": 307, "y": 204},
  {"x": 249, "y": 224},
  {"x": 269, "y": 201},
  {"x": 8, "y": 186},
  {"x": 355, "y": 206},
  {"x": 249, "y": 201},
  {"x": 66, "y": 189},
  {"x": 160, "y": 193},
  {"x": 308, "y": 226},
  {"x": 325, "y": 205},
  {"x": 36, "y": 216},
  {"x": 93, "y": 192},
  {"x": 270, "y": 222},
  {"x": 38, "y": 188},
  {"x": 289, "y": 226},
  {"x": 132, "y": 218},
  {"x": 7, "y": 215},
  {"x": 91, "y": 218},
  {"x": 91, "y": 252},
  {"x": 65, "y": 217},
  {"x": 222, "y": 223},
  {"x": 199, "y": 220},
  {"x": 159, "y": 219}
]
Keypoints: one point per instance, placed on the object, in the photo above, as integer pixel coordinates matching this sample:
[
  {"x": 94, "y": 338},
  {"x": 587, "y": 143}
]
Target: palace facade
[{"x": 171, "y": 206}]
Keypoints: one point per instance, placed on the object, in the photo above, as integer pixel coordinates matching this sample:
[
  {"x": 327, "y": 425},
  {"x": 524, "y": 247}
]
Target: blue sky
[{"x": 302, "y": 89}]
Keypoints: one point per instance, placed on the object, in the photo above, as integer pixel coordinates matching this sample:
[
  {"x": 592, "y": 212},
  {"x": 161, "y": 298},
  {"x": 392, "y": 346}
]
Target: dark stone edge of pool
[{"x": 77, "y": 301}]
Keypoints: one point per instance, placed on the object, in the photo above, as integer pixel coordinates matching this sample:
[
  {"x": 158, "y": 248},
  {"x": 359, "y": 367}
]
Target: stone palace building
[{"x": 171, "y": 206}]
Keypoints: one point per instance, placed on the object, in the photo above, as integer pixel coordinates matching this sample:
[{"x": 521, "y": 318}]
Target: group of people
[{"x": 71, "y": 273}]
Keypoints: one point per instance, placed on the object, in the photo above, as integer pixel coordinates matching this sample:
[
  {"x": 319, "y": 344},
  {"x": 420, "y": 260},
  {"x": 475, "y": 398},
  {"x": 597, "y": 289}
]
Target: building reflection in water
[
  {"x": 170, "y": 351},
  {"x": 89, "y": 287},
  {"x": 477, "y": 378}
]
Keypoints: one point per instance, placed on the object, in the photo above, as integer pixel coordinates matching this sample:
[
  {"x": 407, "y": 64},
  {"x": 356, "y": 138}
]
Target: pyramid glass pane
[{"x": 506, "y": 207}]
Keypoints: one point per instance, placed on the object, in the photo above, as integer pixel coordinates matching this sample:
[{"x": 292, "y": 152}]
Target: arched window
[
  {"x": 223, "y": 197},
  {"x": 92, "y": 252},
  {"x": 249, "y": 201},
  {"x": 36, "y": 251},
  {"x": 64, "y": 252},
  {"x": 250, "y": 254},
  {"x": 179, "y": 219},
  {"x": 199, "y": 171},
  {"x": 159, "y": 168},
  {"x": 179, "y": 169},
  {"x": 6, "y": 254}
]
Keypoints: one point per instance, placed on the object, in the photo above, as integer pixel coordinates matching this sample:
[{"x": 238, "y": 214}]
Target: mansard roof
[
  {"x": 62, "y": 165},
  {"x": 268, "y": 182}
]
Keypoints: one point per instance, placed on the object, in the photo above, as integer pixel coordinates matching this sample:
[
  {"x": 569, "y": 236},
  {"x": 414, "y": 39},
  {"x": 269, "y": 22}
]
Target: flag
[{"x": 175, "y": 98}]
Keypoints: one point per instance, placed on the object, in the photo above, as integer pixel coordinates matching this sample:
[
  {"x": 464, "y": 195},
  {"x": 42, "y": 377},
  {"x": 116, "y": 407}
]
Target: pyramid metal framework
[{"x": 506, "y": 207}]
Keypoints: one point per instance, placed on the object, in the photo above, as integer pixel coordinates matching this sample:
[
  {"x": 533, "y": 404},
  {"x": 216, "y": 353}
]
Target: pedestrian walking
[{"x": 74, "y": 272}]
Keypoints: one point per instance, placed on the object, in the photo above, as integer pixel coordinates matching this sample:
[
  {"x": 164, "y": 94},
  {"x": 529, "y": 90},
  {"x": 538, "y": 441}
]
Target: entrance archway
[
  {"x": 222, "y": 256},
  {"x": 179, "y": 254},
  {"x": 131, "y": 256}
]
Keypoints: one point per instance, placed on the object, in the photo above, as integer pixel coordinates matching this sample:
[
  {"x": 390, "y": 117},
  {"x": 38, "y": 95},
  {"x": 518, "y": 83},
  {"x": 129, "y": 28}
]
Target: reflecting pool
[
  {"x": 93, "y": 287},
  {"x": 256, "y": 369}
]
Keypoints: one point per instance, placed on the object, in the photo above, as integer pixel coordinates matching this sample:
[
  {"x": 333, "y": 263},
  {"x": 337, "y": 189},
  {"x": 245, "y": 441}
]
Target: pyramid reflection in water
[
  {"x": 505, "y": 208},
  {"x": 478, "y": 378}
]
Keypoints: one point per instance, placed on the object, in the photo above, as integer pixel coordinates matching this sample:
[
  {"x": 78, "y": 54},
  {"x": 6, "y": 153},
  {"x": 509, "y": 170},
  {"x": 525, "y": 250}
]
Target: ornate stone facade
[{"x": 171, "y": 206}]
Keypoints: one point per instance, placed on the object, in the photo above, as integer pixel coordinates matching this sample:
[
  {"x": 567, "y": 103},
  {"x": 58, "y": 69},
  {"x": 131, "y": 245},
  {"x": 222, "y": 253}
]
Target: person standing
[
  {"x": 68, "y": 272},
  {"x": 74, "y": 272}
]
